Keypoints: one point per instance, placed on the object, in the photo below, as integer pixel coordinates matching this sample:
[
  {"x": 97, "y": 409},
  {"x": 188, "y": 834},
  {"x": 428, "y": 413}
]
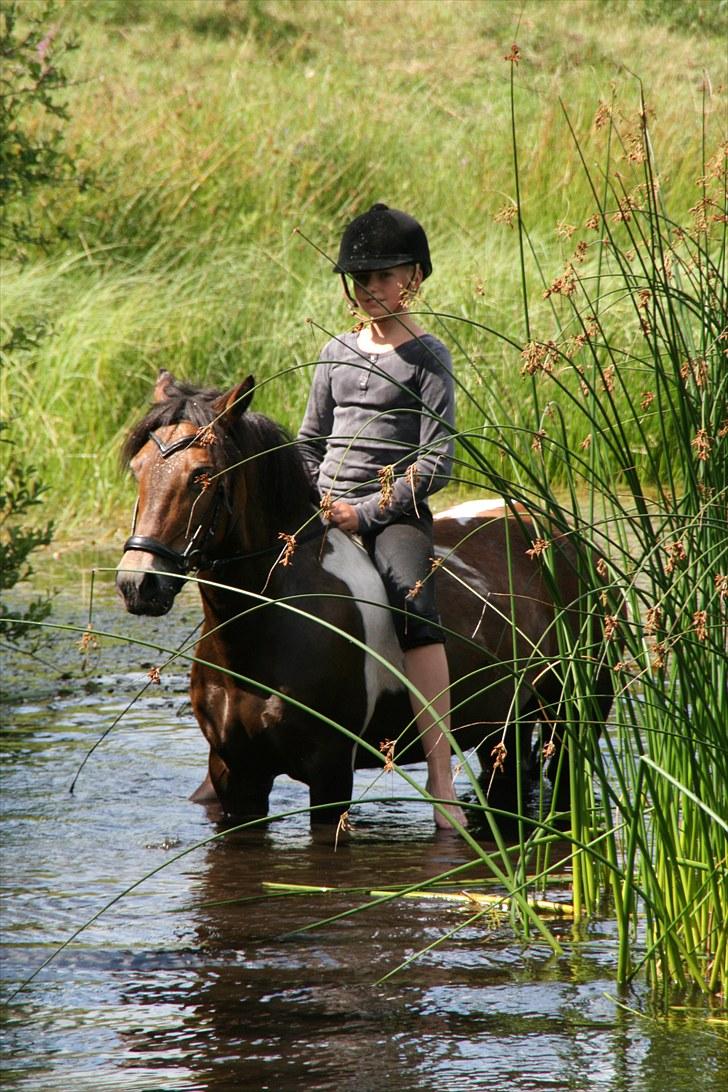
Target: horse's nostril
[{"x": 147, "y": 592}]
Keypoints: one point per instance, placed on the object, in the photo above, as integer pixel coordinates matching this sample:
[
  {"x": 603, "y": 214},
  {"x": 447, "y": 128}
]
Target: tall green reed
[{"x": 627, "y": 416}]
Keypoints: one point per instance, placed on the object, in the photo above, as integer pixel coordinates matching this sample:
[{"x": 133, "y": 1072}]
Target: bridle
[{"x": 192, "y": 557}]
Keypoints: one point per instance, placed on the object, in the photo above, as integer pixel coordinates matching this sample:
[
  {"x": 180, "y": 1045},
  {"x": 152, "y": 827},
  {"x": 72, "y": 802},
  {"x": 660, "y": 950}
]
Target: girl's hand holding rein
[{"x": 344, "y": 516}]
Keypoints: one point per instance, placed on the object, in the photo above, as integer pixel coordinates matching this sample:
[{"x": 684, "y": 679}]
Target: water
[{"x": 201, "y": 979}]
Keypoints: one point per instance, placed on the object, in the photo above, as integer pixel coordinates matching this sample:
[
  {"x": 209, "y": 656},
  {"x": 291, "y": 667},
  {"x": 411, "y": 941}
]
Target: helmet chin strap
[{"x": 347, "y": 293}]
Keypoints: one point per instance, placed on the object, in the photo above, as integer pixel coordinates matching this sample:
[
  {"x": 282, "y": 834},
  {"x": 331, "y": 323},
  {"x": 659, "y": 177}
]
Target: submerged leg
[
  {"x": 426, "y": 668},
  {"x": 505, "y": 759},
  {"x": 332, "y": 787},
  {"x": 205, "y": 792},
  {"x": 241, "y": 796}
]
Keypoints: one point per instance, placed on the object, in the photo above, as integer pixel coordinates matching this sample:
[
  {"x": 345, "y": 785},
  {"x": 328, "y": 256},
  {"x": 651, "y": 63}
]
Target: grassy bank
[{"x": 215, "y": 129}]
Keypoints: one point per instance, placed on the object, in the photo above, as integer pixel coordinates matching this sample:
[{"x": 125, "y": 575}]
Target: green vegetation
[
  {"x": 20, "y": 493},
  {"x": 32, "y": 159},
  {"x": 577, "y": 215},
  {"x": 215, "y": 129},
  {"x": 633, "y": 362}
]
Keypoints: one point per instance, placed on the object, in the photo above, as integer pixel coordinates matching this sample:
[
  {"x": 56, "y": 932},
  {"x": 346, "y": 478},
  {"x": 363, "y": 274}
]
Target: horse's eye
[{"x": 201, "y": 479}]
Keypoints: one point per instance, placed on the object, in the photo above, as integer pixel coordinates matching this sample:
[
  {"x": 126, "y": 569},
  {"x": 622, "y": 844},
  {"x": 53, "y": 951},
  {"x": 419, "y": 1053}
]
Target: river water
[{"x": 203, "y": 978}]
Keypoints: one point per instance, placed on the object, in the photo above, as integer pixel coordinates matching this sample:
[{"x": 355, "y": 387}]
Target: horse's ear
[
  {"x": 164, "y": 378},
  {"x": 237, "y": 399}
]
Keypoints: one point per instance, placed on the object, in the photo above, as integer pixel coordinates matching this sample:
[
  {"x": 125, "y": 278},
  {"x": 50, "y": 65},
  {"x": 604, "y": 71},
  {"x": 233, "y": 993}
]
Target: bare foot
[
  {"x": 442, "y": 822},
  {"x": 442, "y": 818}
]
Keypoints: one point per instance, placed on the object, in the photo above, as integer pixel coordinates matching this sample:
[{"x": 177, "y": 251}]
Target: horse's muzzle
[{"x": 145, "y": 591}]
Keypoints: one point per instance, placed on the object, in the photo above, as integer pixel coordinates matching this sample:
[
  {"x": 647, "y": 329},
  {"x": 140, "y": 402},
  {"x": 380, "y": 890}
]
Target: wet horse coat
[{"x": 293, "y": 671}]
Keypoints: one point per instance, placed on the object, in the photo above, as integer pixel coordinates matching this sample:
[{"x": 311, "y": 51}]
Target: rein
[{"x": 192, "y": 557}]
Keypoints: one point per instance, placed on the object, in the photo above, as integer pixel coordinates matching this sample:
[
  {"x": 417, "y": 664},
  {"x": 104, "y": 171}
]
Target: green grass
[{"x": 216, "y": 129}]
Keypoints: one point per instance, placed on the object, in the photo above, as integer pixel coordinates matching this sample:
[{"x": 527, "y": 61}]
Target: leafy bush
[
  {"x": 20, "y": 491},
  {"x": 33, "y": 158},
  {"x": 33, "y": 161}
]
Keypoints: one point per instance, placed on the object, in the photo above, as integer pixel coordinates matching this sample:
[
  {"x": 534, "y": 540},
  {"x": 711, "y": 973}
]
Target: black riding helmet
[{"x": 380, "y": 239}]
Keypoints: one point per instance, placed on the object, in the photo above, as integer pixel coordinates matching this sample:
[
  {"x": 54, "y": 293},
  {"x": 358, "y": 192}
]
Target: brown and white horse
[{"x": 293, "y": 671}]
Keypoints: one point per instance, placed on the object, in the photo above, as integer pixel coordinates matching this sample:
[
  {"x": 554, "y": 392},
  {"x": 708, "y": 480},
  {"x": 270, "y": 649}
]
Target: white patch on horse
[
  {"x": 468, "y": 575},
  {"x": 485, "y": 506},
  {"x": 352, "y": 565}
]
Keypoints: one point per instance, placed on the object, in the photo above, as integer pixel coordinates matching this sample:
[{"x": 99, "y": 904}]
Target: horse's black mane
[
  {"x": 284, "y": 482},
  {"x": 183, "y": 402}
]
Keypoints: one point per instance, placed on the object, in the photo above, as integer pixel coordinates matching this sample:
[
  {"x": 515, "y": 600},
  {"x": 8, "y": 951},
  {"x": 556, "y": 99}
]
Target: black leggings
[{"x": 402, "y": 552}]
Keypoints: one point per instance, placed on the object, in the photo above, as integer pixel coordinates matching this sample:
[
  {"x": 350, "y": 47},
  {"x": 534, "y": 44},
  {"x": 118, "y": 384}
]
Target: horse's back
[{"x": 482, "y": 551}]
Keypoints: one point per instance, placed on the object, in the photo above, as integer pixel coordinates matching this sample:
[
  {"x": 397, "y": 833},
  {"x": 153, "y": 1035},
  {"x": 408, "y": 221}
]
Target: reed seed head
[
  {"x": 602, "y": 116},
  {"x": 89, "y": 641},
  {"x": 289, "y": 549},
  {"x": 676, "y": 553},
  {"x": 415, "y": 589},
  {"x": 386, "y": 486},
  {"x": 506, "y": 215},
  {"x": 659, "y": 656},
  {"x": 499, "y": 754},
  {"x": 702, "y": 443},
  {"x": 696, "y": 369},
  {"x": 412, "y": 476},
  {"x": 579, "y": 254},
  {"x": 205, "y": 436},
  {"x": 608, "y": 379},
  {"x": 387, "y": 749},
  {"x": 538, "y": 357},
  {"x": 653, "y": 620},
  {"x": 342, "y": 827},
  {"x": 565, "y": 285},
  {"x": 540, "y": 546},
  {"x": 537, "y": 441},
  {"x": 716, "y": 168},
  {"x": 700, "y": 624}
]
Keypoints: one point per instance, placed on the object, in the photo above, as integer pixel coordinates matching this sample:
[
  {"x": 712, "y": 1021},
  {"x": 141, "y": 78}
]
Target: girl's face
[{"x": 383, "y": 292}]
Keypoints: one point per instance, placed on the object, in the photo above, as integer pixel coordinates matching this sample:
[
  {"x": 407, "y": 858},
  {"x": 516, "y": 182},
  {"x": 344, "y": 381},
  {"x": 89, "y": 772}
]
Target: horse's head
[{"x": 178, "y": 454}]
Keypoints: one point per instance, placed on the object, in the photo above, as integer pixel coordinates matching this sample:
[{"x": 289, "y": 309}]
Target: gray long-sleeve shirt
[{"x": 368, "y": 412}]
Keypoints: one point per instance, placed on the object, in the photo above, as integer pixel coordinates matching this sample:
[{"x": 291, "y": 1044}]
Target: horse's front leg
[
  {"x": 205, "y": 792},
  {"x": 330, "y": 792},
  {"x": 241, "y": 765},
  {"x": 245, "y": 799},
  {"x": 242, "y": 795}
]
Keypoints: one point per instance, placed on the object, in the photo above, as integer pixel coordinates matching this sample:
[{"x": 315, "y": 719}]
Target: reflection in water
[{"x": 198, "y": 981}]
